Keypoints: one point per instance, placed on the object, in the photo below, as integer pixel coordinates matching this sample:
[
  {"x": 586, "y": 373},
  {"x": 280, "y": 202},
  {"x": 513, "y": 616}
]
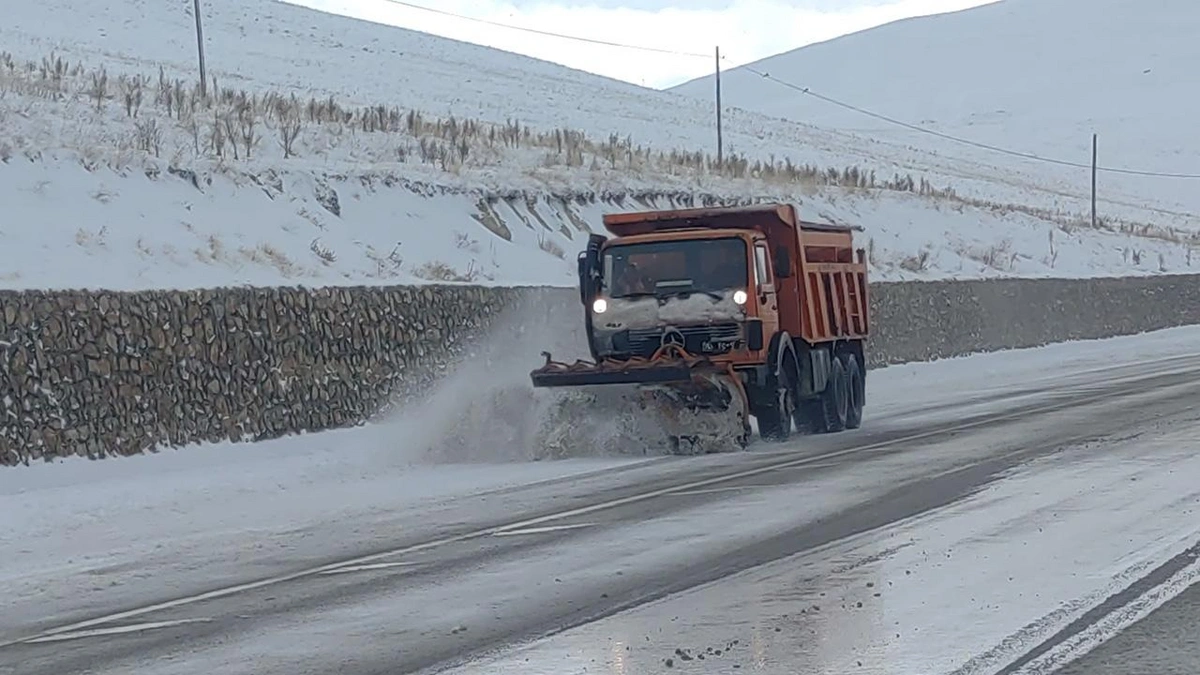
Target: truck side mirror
[
  {"x": 783, "y": 263},
  {"x": 584, "y": 276},
  {"x": 589, "y": 269}
]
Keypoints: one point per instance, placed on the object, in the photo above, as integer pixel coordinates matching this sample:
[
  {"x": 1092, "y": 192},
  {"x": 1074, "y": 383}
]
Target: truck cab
[{"x": 708, "y": 290}]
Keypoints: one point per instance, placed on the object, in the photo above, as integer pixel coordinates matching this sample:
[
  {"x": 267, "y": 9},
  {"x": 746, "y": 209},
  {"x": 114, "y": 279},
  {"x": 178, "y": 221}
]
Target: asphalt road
[
  {"x": 508, "y": 566},
  {"x": 1164, "y": 643},
  {"x": 1109, "y": 639}
]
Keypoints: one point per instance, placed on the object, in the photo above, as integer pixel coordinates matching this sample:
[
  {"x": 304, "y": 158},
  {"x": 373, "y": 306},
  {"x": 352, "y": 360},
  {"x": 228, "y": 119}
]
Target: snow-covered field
[
  {"x": 1028, "y": 75},
  {"x": 126, "y": 178}
]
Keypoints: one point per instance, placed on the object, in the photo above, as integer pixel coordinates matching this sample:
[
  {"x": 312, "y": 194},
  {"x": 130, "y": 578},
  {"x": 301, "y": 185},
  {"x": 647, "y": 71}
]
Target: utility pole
[
  {"x": 1094, "y": 146},
  {"x": 720, "y": 157},
  {"x": 200, "y": 49}
]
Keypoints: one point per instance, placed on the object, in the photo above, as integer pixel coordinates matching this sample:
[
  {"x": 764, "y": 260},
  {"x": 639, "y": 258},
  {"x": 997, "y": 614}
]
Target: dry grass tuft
[{"x": 230, "y": 125}]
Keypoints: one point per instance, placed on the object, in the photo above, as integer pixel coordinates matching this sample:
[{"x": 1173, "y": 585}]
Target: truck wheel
[
  {"x": 833, "y": 405},
  {"x": 775, "y": 417},
  {"x": 856, "y": 390}
]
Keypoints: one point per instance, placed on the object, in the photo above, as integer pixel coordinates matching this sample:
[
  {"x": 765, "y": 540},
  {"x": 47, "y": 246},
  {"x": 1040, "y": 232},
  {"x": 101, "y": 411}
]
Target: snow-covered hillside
[
  {"x": 1034, "y": 76},
  {"x": 376, "y": 154}
]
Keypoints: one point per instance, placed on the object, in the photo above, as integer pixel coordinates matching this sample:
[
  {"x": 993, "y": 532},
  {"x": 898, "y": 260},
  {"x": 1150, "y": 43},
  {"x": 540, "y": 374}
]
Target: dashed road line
[
  {"x": 728, "y": 488},
  {"x": 113, "y": 630},
  {"x": 541, "y": 530},
  {"x": 367, "y": 568}
]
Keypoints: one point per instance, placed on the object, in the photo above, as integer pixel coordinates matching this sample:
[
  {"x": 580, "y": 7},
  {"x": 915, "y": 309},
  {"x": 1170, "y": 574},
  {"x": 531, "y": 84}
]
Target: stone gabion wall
[
  {"x": 922, "y": 321},
  {"x": 105, "y": 373}
]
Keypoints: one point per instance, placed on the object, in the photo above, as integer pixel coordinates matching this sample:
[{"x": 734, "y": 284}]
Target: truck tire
[
  {"x": 833, "y": 404},
  {"x": 855, "y": 389},
  {"x": 779, "y": 404}
]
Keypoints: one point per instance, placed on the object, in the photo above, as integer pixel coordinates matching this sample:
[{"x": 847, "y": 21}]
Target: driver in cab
[{"x": 638, "y": 278}]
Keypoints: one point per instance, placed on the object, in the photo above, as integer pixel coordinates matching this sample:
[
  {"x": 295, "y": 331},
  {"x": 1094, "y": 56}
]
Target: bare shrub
[
  {"x": 916, "y": 263},
  {"x": 149, "y": 136},
  {"x": 287, "y": 115},
  {"x": 388, "y": 265},
  {"x": 99, "y": 89},
  {"x": 996, "y": 256},
  {"x": 247, "y": 123},
  {"x": 439, "y": 271},
  {"x": 325, "y": 254},
  {"x": 216, "y": 135},
  {"x": 131, "y": 89}
]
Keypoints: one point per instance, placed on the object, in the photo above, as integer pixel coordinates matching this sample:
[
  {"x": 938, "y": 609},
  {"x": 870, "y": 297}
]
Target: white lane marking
[
  {"x": 602, "y": 506},
  {"x": 822, "y": 465},
  {"x": 367, "y": 568},
  {"x": 731, "y": 488},
  {"x": 114, "y": 630},
  {"x": 1113, "y": 623},
  {"x": 541, "y": 530}
]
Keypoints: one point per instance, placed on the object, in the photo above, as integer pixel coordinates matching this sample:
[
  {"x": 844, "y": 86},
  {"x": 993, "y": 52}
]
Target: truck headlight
[
  {"x": 740, "y": 297},
  {"x": 599, "y": 305}
]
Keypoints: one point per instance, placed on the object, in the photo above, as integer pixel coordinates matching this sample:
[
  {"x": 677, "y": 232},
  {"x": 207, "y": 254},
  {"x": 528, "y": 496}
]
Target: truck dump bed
[{"x": 820, "y": 278}]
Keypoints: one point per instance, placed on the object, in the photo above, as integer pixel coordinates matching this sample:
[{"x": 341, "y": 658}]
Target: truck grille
[{"x": 708, "y": 340}]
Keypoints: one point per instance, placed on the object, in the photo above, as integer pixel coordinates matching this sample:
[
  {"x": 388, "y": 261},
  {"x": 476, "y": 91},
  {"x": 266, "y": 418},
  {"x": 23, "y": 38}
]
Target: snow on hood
[{"x": 647, "y": 312}]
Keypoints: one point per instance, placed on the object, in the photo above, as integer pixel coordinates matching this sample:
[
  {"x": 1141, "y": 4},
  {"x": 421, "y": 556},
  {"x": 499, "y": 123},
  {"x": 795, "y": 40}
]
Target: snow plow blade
[
  {"x": 584, "y": 374},
  {"x": 669, "y": 365},
  {"x": 671, "y": 385}
]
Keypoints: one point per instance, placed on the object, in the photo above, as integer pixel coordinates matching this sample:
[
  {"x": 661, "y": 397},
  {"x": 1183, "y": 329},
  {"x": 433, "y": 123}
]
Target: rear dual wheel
[
  {"x": 856, "y": 388},
  {"x": 840, "y": 406},
  {"x": 837, "y": 408}
]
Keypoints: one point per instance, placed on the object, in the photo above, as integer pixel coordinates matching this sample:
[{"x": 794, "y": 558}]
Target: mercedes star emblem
[{"x": 672, "y": 336}]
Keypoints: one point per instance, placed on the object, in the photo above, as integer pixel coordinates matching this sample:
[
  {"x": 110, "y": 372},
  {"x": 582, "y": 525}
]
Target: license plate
[{"x": 719, "y": 345}]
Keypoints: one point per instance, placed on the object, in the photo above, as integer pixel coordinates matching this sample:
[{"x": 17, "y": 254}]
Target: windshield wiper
[
  {"x": 666, "y": 294},
  {"x": 691, "y": 291}
]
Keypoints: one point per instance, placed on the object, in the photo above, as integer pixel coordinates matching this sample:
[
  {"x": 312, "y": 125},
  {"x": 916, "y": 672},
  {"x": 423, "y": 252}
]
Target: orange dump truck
[{"x": 746, "y": 309}]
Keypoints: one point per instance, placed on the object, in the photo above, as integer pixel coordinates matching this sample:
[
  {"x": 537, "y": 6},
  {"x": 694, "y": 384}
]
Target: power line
[
  {"x": 965, "y": 141},
  {"x": 806, "y": 91},
  {"x": 535, "y": 31}
]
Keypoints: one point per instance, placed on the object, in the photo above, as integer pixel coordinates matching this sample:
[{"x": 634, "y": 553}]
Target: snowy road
[{"x": 987, "y": 504}]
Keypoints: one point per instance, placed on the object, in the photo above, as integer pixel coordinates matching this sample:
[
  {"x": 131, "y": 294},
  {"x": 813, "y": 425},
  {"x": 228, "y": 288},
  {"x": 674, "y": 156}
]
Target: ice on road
[
  {"x": 971, "y": 581},
  {"x": 962, "y": 590}
]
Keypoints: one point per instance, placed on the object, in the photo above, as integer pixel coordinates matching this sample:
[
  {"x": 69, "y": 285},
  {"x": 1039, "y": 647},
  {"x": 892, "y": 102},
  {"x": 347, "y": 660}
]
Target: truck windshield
[{"x": 678, "y": 267}]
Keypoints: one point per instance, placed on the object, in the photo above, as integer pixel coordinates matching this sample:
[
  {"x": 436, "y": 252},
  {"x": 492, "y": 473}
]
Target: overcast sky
[{"x": 746, "y": 30}]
